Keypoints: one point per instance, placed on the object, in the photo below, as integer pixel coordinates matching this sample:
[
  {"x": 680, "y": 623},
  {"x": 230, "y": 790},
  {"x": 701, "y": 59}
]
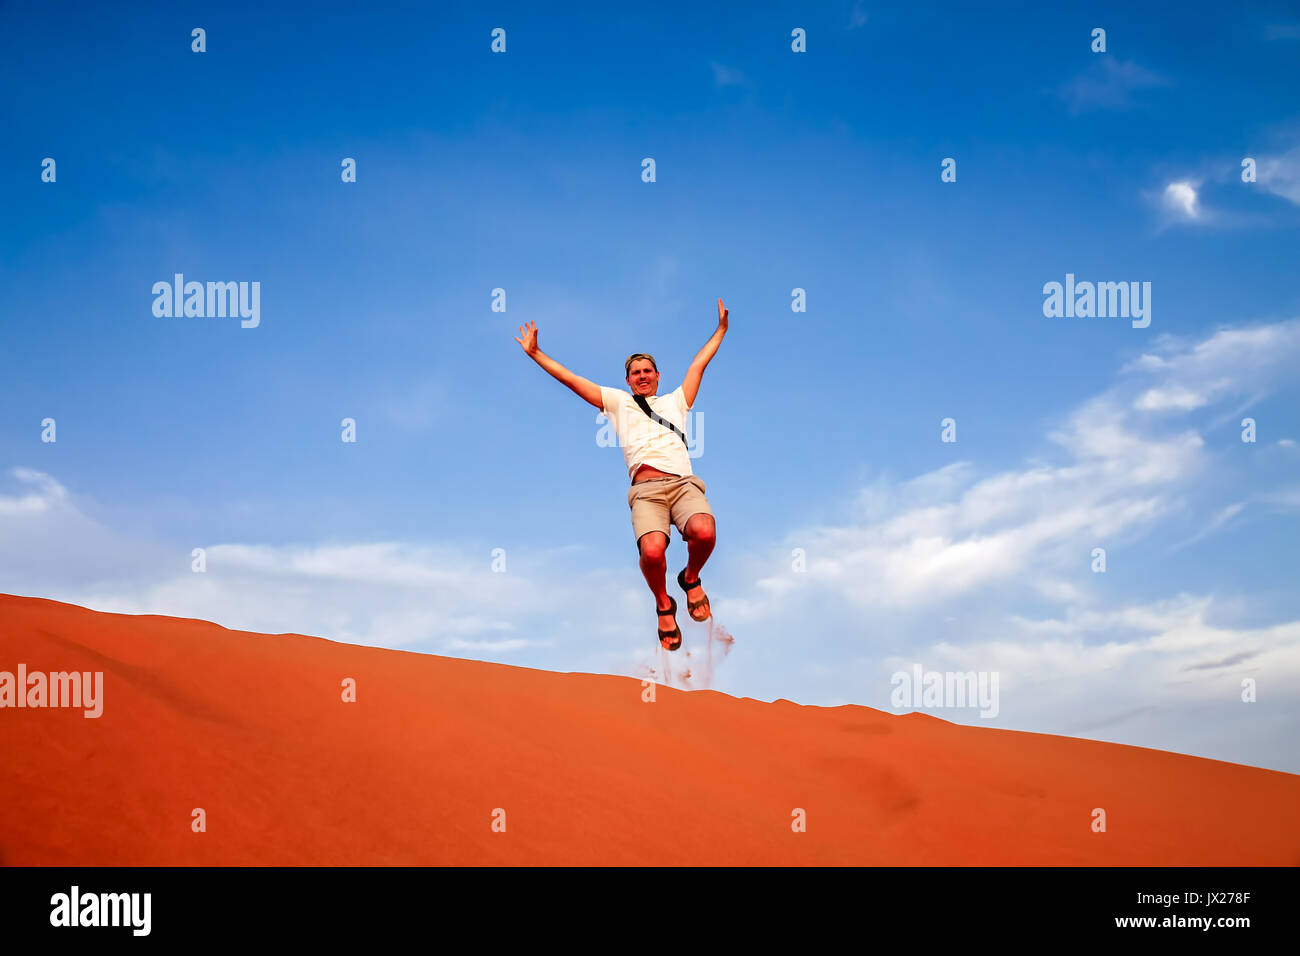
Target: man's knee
[
  {"x": 652, "y": 545},
  {"x": 699, "y": 527}
]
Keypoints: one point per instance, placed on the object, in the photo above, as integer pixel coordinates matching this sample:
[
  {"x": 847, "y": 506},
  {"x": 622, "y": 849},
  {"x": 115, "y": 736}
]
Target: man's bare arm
[
  {"x": 691, "y": 386},
  {"x": 585, "y": 388}
]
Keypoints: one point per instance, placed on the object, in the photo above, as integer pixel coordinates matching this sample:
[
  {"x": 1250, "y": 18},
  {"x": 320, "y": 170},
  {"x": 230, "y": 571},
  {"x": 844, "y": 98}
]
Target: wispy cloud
[
  {"x": 1282, "y": 31},
  {"x": 949, "y": 532},
  {"x": 390, "y": 594},
  {"x": 953, "y": 540},
  {"x": 1227, "y": 514},
  {"x": 417, "y": 407},
  {"x": 45, "y": 495},
  {"x": 726, "y": 76},
  {"x": 1154, "y": 671},
  {"x": 1283, "y": 499},
  {"x": 495, "y": 647},
  {"x": 1280, "y": 175},
  {"x": 1219, "y": 520},
  {"x": 1231, "y": 361},
  {"x": 1110, "y": 83},
  {"x": 857, "y": 16}
]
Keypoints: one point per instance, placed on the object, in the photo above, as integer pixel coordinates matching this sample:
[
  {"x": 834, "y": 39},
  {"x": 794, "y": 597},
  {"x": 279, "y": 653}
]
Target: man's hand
[
  {"x": 529, "y": 339},
  {"x": 722, "y": 316},
  {"x": 589, "y": 391}
]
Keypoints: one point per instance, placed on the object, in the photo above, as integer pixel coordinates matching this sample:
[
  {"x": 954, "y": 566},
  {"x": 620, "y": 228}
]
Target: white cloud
[
  {"x": 1280, "y": 175},
  {"x": 48, "y": 535},
  {"x": 1162, "y": 654},
  {"x": 1161, "y": 674},
  {"x": 945, "y": 534},
  {"x": 389, "y": 594},
  {"x": 1182, "y": 201},
  {"x": 47, "y": 495},
  {"x": 1159, "y": 399},
  {"x": 1230, "y": 361},
  {"x": 1148, "y": 362},
  {"x": 949, "y": 533}
]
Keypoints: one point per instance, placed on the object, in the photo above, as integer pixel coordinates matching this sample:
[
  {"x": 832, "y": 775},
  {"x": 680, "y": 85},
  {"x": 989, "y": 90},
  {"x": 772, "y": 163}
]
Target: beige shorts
[{"x": 658, "y": 501}]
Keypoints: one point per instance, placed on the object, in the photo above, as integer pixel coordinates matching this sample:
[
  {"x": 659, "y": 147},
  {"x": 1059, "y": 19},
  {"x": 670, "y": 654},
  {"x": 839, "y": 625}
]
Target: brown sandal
[
  {"x": 693, "y": 606},
  {"x": 665, "y": 636}
]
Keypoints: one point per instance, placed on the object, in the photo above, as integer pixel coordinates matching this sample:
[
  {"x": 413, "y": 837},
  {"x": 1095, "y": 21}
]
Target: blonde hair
[{"x": 627, "y": 366}]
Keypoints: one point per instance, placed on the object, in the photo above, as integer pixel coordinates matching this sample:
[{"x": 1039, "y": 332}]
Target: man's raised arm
[
  {"x": 691, "y": 385},
  {"x": 583, "y": 387}
]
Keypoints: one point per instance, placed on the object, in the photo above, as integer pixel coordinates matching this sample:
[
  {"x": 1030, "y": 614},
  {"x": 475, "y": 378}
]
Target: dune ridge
[{"x": 578, "y": 768}]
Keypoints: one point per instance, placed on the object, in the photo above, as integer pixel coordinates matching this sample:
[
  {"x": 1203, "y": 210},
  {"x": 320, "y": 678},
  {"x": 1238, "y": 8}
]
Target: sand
[{"x": 448, "y": 761}]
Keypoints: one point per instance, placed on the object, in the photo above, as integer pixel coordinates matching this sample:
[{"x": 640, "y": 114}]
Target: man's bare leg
[
  {"x": 700, "y": 539},
  {"x": 653, "y": 546}
]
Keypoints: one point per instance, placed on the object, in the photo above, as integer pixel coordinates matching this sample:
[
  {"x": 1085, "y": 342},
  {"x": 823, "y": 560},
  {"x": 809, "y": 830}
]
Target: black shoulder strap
[{"x": 645, "y": 407}]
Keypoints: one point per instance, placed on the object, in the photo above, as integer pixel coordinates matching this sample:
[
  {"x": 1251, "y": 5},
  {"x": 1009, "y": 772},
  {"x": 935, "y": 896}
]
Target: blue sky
[{"x": 775, "y": 170}]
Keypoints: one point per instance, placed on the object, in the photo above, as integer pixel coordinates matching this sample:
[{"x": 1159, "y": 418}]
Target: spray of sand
[{"x": 690, "y": 667}]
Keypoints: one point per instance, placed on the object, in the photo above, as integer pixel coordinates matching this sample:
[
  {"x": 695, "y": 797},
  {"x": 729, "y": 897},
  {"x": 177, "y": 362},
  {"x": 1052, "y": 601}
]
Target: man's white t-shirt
[{"x": 645, "y": 441}]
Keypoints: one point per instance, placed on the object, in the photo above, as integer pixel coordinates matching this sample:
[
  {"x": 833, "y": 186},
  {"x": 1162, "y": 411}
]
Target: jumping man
[{"x": 652, "y": 430}]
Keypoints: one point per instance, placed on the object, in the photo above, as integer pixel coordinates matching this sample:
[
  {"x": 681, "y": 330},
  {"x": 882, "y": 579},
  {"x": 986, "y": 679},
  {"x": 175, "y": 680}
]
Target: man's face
[{"x": 642, "y": 377}]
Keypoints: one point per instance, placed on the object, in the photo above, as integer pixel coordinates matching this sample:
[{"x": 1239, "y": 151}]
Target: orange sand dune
[{"x": 252, "y": 728}]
